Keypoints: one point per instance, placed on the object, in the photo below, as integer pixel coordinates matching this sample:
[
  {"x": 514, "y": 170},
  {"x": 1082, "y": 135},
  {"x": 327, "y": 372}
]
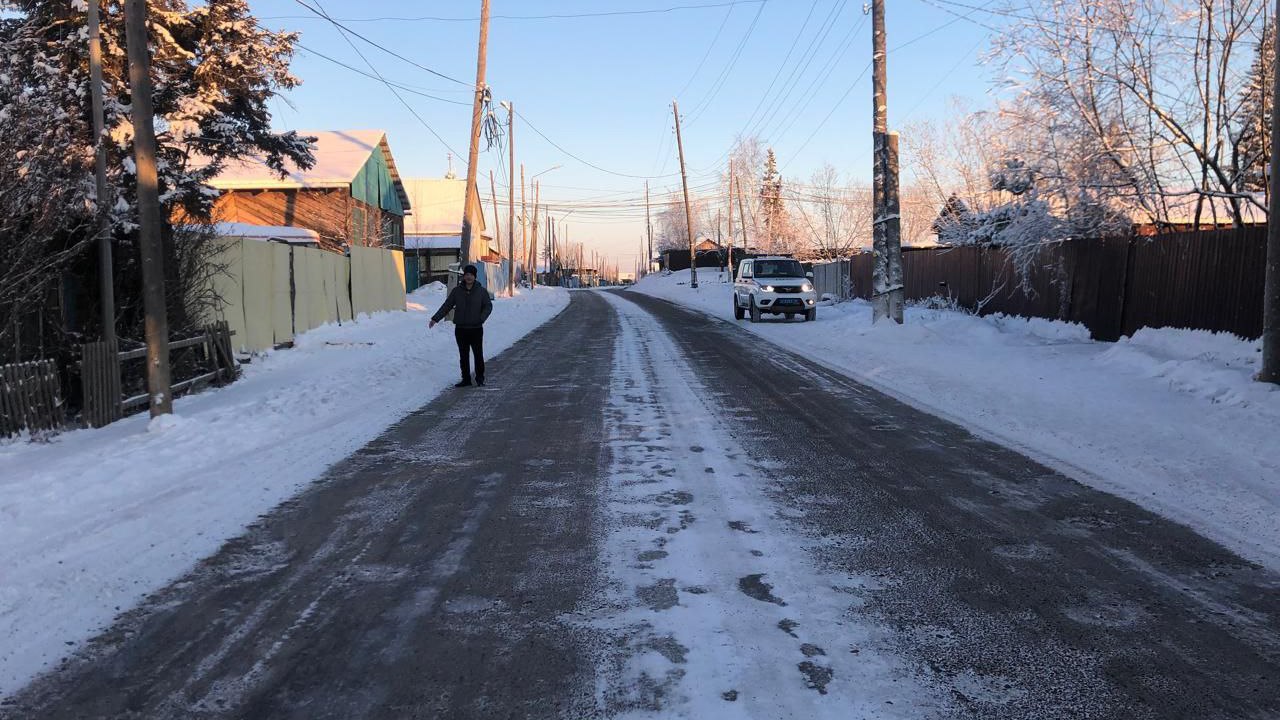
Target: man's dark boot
[
  {"x": 464, "y": 383},
  {"x": 480, "y": 382}
]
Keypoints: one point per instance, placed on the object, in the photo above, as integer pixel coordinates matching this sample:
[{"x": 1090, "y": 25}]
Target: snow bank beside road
[
  {"x": 1170, "y": 419},
  {"x": 95, "y": 519}
]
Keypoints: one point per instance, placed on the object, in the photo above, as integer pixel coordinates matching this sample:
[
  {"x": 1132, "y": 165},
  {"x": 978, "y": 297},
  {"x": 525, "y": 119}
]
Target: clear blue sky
[{"x": 601, "y": 87}]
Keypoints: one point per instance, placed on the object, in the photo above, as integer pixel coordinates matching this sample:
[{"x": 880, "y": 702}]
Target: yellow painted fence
[{"x": 270, "y": 291}]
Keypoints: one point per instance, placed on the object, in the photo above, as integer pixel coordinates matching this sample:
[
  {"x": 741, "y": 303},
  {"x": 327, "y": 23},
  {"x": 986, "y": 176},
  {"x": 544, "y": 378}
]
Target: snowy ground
[
  {"x": 721, "y": 611},
  {"x": 96, "y": 519},
  {"x": 1170, "y": 419}
]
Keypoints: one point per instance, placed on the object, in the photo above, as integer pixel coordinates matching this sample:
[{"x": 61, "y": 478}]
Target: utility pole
[
  {"x": 648, "y": 224},
  {"x": 497, "y": 227},
  {"x": 477, "y": 108},
  {"x": 149, "y": 220},
  {"x": 533, "y": 246},
  {"x": 524, "y": 227},
  {"x": 729, "y": 209},
  {"x": 1270, "y": 371},
  {"x": 887, "y": 290},
  {"x": 743, "y": 217},
  {"x": 688, "y": 216},
  {"x": 511, "y": 200},
  {"x": 106, "y": 281}
]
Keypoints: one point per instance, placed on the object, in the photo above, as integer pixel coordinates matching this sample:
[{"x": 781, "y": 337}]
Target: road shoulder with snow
[{"x": 94, "y": 520}]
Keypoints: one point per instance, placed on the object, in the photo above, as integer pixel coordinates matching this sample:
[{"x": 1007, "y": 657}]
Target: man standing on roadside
[{"x": 471, "y": 306}]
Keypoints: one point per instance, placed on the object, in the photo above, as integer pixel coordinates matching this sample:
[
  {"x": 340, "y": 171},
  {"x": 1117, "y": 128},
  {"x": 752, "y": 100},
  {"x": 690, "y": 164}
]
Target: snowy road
[{"x": 653, "y": 514}]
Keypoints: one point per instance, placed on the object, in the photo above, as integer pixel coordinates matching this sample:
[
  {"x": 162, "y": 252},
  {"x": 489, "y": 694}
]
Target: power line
[
  {"x": 1073, "y": 26},
  {"x": 724, "y": 75},
  {"x": 707, "y": 54},
  {"x": 345, "y": 29},
  {"x": 794, "y": 42},
  {"x": 402, "y": 86},
  {"x": 864, "y": 72},
  {"x": 588, "y": 163},
  {"x": 387, "y": 84},
  {"x": 557, "y": 16}
]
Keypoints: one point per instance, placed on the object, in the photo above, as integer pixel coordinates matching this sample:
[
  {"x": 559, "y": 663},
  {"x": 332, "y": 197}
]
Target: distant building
[
  {"x": 433, "y": 234},
  {"x": 353, "y": 194},
  {"x": 1215, "y": 213}
]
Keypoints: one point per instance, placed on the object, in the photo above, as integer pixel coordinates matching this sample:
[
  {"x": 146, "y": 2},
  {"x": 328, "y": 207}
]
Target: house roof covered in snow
[
  {"x": 283, "y": 233},
  {"x": 437, "y": 208},
  {"x": 432, "y": 242},
  {"x": 341, "y": 156}
]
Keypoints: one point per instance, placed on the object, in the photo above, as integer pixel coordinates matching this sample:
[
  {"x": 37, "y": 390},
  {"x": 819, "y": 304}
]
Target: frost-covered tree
[
  {"x": 1150, "y": 90},
  {"x": 833, "y": 218},
  {"x": 213, "y": 71}
]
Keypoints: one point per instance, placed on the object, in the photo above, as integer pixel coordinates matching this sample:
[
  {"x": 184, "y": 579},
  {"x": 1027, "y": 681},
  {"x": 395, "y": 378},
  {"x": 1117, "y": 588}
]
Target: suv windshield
[{"x": 779, "y": 268}]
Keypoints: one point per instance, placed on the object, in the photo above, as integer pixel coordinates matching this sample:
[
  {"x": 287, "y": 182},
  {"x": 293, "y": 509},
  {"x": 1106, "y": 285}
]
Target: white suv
[{"x": 775, "y": 285}]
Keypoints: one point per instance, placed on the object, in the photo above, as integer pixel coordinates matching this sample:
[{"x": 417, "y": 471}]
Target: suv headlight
[
  {"x": 766, "y": 288},
  {"x": 807, "y": 287}
]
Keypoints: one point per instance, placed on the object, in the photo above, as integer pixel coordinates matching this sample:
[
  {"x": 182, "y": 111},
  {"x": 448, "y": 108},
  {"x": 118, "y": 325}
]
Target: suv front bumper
[{"x": 778, "y": 303}]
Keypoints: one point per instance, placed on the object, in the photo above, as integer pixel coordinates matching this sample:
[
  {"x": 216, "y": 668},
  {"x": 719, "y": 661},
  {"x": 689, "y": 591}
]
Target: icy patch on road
[{"x": 712, "y": 606}]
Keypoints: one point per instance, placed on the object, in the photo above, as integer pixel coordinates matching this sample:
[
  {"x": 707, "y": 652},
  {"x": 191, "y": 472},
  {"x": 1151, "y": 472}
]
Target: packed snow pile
[
  {"x": 95, "y": 519},
  {"x": 1170, "y": 419}
]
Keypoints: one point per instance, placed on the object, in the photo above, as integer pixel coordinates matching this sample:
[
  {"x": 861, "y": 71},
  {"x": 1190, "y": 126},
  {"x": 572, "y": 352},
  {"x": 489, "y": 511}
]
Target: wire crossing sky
[{"x": 593, "y": 82}]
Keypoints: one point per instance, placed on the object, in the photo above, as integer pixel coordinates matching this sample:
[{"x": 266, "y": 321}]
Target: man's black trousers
[{"x": 470, "y": 340}]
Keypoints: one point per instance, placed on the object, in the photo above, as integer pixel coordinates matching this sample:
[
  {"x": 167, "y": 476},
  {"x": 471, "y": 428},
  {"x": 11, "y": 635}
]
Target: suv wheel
[
  {"x": 755, "y": 311},
  {"x": 811, "y": 315},
  {"x": 738, "y": 312}
]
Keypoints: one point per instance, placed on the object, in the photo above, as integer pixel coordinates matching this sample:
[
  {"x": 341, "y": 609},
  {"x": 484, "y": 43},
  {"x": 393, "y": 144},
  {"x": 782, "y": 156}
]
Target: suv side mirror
[{"x": 809, "y": 275}]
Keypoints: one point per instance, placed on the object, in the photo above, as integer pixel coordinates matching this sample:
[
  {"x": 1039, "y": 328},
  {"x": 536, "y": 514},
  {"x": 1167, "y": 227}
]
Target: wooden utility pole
[
  {"x": 497, "y": 227},
  {"x": 524, "y": 228},
  {"x": 743, "y": 217},
  {"x": 511, "y": 199},
  {"x": 1270, "y": 371},
  {"x": 106, "y": 281},
  {"x": 648, "y": 224},
  {"x": 729, "y": 210},
  {"x": 887, "y": 291},
  {"x": 688, "y": 215},
  {"x": 149, "y": 219},
  {"x": 477, "y": 107},
  {"x": 533, "y": 246}
]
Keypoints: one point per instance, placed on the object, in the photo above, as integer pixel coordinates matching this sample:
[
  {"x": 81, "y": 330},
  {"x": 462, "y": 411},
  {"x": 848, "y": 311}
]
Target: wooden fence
[
  {"x": 1114, "y": 286},
  {"x": 101, "y": 384},
  {"x": 30, "y": 398}
]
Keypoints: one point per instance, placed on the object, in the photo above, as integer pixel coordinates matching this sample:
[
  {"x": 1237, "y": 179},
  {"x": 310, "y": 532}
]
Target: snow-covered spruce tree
[
  {"x": 776, "y": 221},
  {"x": 1256, "y": 103},
  {"x": 213, "y": 70}
]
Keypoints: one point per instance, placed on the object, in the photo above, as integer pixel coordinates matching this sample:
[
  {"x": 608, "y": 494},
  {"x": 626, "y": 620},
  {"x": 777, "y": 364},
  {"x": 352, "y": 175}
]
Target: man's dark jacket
[{"x": 470, "y": 307}]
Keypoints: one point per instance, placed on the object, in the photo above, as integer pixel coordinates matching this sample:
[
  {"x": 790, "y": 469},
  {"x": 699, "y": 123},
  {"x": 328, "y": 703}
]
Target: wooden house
[{"x": 352, "y": 196}]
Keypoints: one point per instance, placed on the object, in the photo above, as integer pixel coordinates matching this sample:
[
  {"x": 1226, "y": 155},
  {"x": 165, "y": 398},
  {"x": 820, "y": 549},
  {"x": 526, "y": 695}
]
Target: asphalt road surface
[{"x": 651, "y": 513}]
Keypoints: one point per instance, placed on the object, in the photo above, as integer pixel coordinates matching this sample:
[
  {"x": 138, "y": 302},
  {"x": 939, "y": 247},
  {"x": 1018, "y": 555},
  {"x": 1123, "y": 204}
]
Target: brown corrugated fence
[{"x": 1114, "y": 286}]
